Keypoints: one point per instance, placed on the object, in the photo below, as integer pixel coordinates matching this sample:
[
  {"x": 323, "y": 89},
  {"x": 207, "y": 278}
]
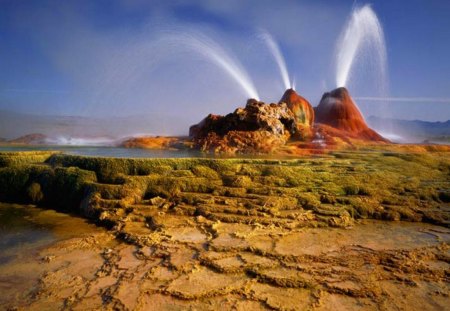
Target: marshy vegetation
[{"x": 333, "y": 189}]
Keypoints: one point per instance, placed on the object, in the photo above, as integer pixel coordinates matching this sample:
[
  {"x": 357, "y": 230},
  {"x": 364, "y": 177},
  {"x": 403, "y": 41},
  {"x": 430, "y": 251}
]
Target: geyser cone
[
  {"x": 337, "y": 109},
  {"x": 302, "y": 109}
]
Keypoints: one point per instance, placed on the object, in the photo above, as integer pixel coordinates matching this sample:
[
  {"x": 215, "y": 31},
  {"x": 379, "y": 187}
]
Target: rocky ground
[
  {"x": 343, "y": 231},
  {"x": 370, "y": 266}
]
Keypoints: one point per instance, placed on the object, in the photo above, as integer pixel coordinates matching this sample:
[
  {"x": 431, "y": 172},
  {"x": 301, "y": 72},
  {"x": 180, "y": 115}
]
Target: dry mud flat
[{"x": 208, "y": 266}]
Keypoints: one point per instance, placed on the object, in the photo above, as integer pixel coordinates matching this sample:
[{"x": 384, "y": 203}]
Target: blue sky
[{"x": 109, "y": 57}]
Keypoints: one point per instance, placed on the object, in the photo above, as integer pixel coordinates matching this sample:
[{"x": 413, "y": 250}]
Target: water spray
[
  {"x": 213, "y": 52},
  {"x": 278, "y": 56},
  {"x": 363, "y": 32}
]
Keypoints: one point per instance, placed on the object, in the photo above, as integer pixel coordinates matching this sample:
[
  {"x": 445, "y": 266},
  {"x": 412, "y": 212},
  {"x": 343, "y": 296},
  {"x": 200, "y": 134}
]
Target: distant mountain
[
  {"x": 412, "y": 130},
  {"x": 14, "y": 125},
  {"x": 98, "y": 130},
  {"x": 33, "y": 139}
]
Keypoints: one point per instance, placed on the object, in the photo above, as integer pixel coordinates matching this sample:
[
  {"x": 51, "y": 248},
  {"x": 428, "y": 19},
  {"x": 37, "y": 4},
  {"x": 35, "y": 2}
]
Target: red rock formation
[
  {"x": 303, "y": 112},
  {"x": 252, "y": 142},
  {"x": 156, "y": 142},
  {"x": 338, "y": 110},
  {"x": 264, "y": 128},
  {"x": 302, "y": 109},
  {"x": 211, "y": 122},
  {"x": 258, "y": 127}
]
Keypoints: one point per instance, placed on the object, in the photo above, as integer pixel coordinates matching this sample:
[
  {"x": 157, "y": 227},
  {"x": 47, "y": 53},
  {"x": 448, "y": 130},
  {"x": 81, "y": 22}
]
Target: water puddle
[
  {"x": 24, "y": 229},
  {"x": 35, "y": 245}
]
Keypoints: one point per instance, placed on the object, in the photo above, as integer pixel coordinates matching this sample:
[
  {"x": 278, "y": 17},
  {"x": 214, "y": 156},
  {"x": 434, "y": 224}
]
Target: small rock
[
  {"x": 157, "y": 201},
  {"x": 48, "y": 258}
]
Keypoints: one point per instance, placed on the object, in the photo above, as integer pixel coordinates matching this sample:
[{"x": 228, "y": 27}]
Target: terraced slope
[{"x": 280, "y": 234}]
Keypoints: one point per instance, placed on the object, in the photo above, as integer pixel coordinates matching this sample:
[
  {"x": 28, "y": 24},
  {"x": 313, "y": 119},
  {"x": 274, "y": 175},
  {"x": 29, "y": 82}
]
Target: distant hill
[
  {"x": 413, "y": 130},
  {"x": 14, "y": 125},
  {"x": 34, "y": 139}
]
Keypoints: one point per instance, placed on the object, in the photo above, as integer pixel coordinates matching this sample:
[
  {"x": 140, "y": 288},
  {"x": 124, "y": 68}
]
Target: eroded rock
[
  {"x": 302, "y": 110},
  {"x": 258, "y": 127}
]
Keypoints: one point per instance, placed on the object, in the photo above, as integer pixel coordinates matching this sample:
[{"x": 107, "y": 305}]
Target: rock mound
[
  {"x": 338, "y": 110},
  {"x": 244, "y": 142},
  {"x": 155, "y": 142},
  {"x": 302, "y": 109},
  {"x": 258, "y": 127},
  {"x": 267, "y": 128}
]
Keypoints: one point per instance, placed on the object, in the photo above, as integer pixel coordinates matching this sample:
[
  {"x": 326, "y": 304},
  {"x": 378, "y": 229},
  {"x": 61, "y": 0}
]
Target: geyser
[
  {"x": 363, "y": 34},
  {"x": 212, "y": 51},
  {"x": 278, "y": 56},
  {"x": 361, "y": 40},
  {"x": 338, "y": 110},
  {"x": 264, "y": 128}
]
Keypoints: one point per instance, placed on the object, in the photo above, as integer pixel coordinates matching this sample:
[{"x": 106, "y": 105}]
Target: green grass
[
  {"x": 24, "y": 157},
  {"x": 379, "y": 185}
]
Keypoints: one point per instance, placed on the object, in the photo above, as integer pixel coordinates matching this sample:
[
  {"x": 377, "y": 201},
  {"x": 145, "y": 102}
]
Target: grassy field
[{"x": 332, "y": 190}]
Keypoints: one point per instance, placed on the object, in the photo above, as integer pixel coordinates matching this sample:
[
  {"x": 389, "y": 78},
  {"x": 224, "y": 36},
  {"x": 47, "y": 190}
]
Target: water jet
[
  {"x": 213, "y": 52},
  {"x": 362, "y": 38},
  {"x": 278, "y": 56}
]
